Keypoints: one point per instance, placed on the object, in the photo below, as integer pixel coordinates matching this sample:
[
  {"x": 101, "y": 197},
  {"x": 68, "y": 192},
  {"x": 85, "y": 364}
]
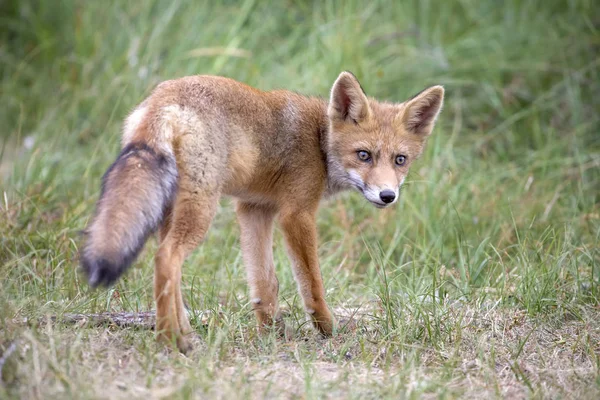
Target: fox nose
[{"x": 387, "y": 196}]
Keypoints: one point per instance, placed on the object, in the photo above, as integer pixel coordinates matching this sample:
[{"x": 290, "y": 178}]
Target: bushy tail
[{"x": 136, "y": 191}]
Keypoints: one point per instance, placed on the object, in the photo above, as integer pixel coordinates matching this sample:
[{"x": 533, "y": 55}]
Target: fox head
[{"x": 373, "y": 144}]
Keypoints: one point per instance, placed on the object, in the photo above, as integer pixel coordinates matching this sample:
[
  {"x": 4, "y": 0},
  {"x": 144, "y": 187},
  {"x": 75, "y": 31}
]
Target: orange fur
[{"x": 278, "y": 153}]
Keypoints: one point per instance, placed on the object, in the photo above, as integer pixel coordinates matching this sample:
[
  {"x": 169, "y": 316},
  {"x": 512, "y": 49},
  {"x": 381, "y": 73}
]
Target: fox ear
[
  {"x": 421, "y": 111},
  {"x": 348, "y": 101}
]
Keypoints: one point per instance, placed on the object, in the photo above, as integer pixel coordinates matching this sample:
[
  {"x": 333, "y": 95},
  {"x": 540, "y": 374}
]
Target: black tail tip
[{"x": 100, "y": 272}]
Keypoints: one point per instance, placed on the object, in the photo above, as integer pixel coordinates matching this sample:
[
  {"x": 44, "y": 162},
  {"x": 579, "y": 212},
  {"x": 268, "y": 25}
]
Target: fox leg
[
  {"x": 190, "y": 220},
  {"x": 167, "y": 295},
  {"x": 300, "y": 230},
  {"x": 184, "y": 228},
  {"x": 256, "y": 225}
]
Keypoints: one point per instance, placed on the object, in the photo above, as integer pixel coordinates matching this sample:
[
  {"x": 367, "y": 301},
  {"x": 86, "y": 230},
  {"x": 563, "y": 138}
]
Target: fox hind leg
[
  {"x": 183, "y": 230},
  {"x": 191, "y": 219}
]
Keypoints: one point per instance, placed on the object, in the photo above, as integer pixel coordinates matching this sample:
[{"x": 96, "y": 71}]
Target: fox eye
[
  {"x": 400, "y": 160},
  {"x": 363, "y": 155}
]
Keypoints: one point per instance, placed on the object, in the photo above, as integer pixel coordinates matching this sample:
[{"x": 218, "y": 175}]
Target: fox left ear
[
  {"x": 421, "y": 111},
  {"x": 348, "y": 101}
]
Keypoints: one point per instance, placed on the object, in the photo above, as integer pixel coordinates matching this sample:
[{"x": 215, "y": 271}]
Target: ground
[{"x": 482, "y": 282}]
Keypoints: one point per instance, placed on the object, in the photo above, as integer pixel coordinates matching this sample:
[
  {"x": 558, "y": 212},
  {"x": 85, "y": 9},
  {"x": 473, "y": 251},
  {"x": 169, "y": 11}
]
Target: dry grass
[{"x": 494, "y": 352}]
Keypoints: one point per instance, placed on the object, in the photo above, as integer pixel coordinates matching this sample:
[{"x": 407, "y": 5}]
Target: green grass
[{"x": 483, "y": 281}]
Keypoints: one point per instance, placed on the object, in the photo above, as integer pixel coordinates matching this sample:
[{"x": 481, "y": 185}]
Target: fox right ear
[
  {"x": 422, "y": 110},
  {"x": 348, "y": 101}
]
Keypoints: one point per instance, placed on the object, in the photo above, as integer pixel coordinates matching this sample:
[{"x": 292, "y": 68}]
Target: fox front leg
[
  {"x": 256, "y": 225},
  {"x": 300, "y": 232}
]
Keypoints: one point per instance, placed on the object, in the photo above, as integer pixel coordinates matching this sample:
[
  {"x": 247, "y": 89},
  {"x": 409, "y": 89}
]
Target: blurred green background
[{"x": 504, "y": 205}]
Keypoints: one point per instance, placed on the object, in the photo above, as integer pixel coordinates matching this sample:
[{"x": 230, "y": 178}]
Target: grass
[{"x": 483, "y": 281}]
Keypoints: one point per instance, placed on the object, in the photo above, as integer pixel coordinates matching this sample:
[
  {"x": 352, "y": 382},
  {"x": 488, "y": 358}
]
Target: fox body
[{"x": 278, "y": 153}]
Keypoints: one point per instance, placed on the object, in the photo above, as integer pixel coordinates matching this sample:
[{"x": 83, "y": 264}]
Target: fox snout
[
  {"x": 387, "y": 196},
  {"x": 381, "y": 197}
]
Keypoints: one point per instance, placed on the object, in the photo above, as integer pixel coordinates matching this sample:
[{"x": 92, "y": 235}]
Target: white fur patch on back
[
  {"x": 175, "y": 121},
  {"x": 132, "y": 122}
]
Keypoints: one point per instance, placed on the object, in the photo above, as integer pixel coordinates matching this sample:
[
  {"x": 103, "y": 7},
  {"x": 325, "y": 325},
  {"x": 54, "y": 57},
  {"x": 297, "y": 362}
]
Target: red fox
[{"x": 278, "y": 153}]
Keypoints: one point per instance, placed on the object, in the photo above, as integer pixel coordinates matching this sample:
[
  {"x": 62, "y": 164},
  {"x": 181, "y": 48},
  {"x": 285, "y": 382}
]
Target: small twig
[{"x": 144, "y": 319}]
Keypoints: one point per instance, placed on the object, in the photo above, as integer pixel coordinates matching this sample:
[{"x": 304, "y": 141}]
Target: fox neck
[{"x": 337, "y": 176}]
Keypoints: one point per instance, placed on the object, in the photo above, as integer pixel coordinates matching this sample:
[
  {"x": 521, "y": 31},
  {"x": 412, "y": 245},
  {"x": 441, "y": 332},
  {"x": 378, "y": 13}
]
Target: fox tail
[{"x": 137, "y": 190}]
